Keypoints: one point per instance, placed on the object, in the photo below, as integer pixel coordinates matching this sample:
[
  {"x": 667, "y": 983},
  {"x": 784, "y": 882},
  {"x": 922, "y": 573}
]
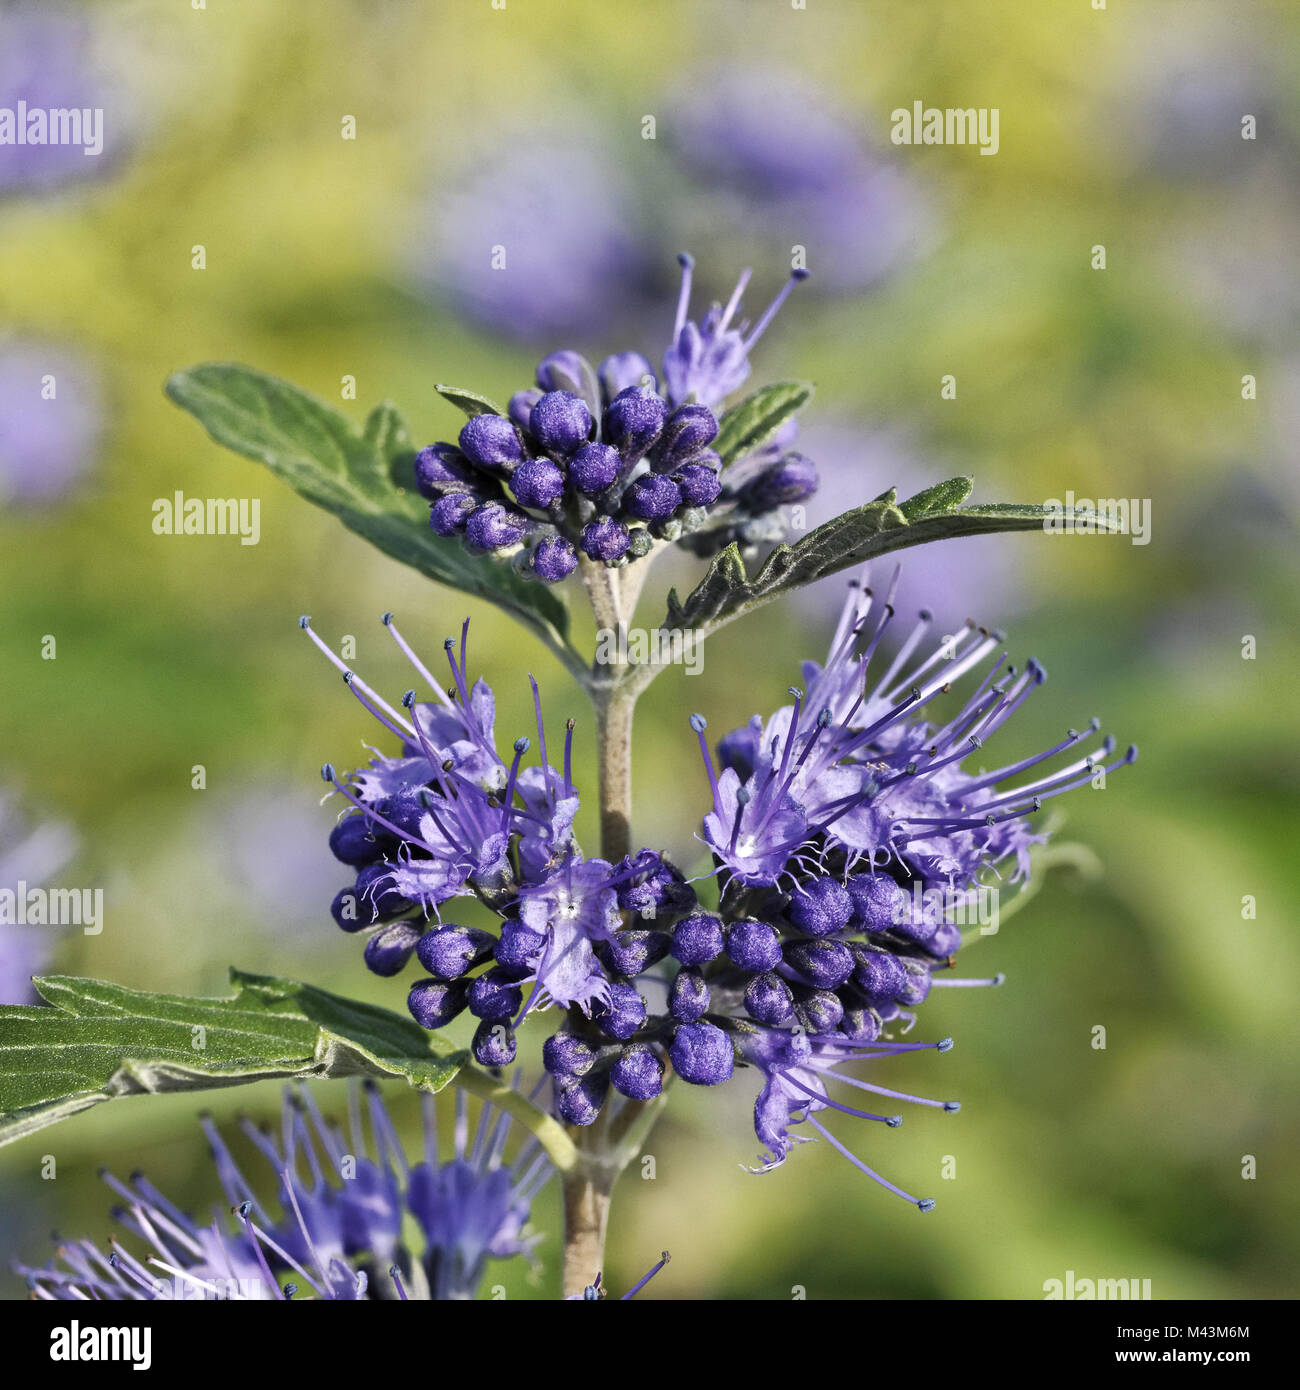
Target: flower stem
[
  {"x": 614, "y": 710},
  {"x": 604, "y": 1151},
  {"x": 613, "y": 598},
  {"x": 586, "y": 1213}
]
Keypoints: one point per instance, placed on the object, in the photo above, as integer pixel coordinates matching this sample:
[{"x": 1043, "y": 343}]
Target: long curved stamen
[
  {"x": 893, "y": 1121},
  {"x": 436, "y": 761},
  {"x": 940, "y": 825},
  {"x": 541, "y": 735},
  {"x": 245, "y": 1214},
  {"x": 354, "y": 685},
  {"x": 864, "y": 736},
  {"x": 976, "y": 706},
  {"x": 687, "y": 264},
  {"x": 951, "y": 1106},
  {"x": 1021, "y": 688},
  {"x": 773, "y": 308},
  {"x": 421, "y": 669},
  {"x": 1083, "y": 767},
  {"x": 458, "y": 673},
  {"x": 305, "y": 625},
  {"x": 1014, "y": 769},
  {"x": 791, "y": 734},
  {"x": 645, "y": 1278},
  {"x": 700, "y": 724},
  {"x": 925, "y": 1204},
  {"x": 904, "y": 654},
  {"x": 521, "y": 747}
]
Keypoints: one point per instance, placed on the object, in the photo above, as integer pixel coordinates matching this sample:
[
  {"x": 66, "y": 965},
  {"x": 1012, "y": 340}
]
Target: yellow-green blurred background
[{"x": 328, "y": 257}]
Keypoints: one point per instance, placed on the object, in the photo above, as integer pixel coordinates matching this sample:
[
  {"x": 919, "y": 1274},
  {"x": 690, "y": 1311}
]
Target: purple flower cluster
[
  {"x": 450, "y": 818},
  {"x": 768, "y": 153},
  {"x": 339, "y": 1230},
  {"x": 608, "y": 460},
  {"x": 847, "y": 840}
]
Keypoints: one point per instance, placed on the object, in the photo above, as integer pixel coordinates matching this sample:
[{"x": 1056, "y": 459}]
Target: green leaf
[
  {"x": 326, "y": 459},
  {"x": 942, "y": 497},
  {"x": 755, "y": 420},
  {"x": 100, "y": 1041},
  {"x": 727, "y": 591},
  {"x": 386, "y": 432},
  {"x": 468, "y": 401}
]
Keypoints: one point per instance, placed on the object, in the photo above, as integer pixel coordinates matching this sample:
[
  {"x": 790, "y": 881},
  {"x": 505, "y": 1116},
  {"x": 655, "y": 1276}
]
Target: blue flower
[
  {"x": 796, "y": 1069},
  {"x": 336, "y": 1228},
  {"x": 573, "y": 907},
  {"x": 450, "y": 818},
  {"x": 605, "y": 461},
  {"x": 537, "y": 231},
  {"x": 710, "y": 360},
  {"x": 439, "y": 821},
  {"x": 846, "y": 833},
  {"x": 851, "y": 767}
]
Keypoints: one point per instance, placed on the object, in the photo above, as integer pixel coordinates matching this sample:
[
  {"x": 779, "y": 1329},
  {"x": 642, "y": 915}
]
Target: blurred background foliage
[{"x": 328, "y": 257}]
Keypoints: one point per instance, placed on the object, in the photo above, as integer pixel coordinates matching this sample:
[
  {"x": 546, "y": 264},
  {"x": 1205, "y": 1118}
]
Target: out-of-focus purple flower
[
  {"x": 51, "y": 420},
  {"x": 48, "y": 59},
  {"x": 335, "y": 1230},
  {"x": 768, "y": 151},
  {"x": 29, "y": 857},
  {"x": 1177, "y": 111},
  {"x": 1178, "y": 103},
  {"x": 541, "y": 234}
]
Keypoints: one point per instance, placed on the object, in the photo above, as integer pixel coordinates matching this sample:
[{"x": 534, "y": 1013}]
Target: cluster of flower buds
[
  {"x": 606, "y": 461},
  {"x": 835, "y": 958},
  {"x": 565, "y": 935}
]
